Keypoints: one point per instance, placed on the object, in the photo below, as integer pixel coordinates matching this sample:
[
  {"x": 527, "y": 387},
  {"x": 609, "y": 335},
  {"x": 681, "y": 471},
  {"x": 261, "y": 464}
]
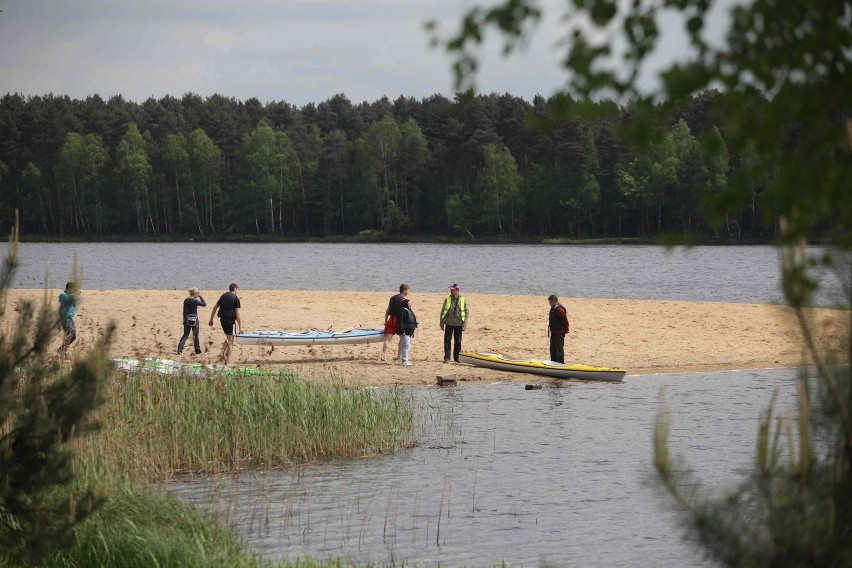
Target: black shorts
[{"x": 229, "y": 326}]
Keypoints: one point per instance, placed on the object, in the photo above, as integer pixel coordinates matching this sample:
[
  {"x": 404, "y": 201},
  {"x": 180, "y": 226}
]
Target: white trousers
[{"x": 405, "y": 341}]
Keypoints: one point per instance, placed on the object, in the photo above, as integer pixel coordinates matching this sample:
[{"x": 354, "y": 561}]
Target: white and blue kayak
[
  {"x": 547, "y": 368},
  {"x": 283, "y": 338}
]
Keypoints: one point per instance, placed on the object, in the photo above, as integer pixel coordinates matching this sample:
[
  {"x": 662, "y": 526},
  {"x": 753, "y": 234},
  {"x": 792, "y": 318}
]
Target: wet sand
[{"x": 642, "y": 336}]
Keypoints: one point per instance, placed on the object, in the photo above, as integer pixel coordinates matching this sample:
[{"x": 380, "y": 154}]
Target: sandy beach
[{"x": 642, "y": 336}]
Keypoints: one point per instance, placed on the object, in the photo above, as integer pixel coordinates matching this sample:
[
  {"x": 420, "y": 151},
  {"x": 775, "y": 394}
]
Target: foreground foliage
[
  {"x": 784, "y": 72},
  {"x": 44, "y": 408}
]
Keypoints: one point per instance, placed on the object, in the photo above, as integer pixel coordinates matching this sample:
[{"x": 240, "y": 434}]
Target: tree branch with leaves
[{"x": 786, "y": 74}]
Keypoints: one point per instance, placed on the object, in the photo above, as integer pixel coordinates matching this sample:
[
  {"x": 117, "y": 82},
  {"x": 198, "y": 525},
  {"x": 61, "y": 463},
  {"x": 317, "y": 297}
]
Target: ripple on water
[{"x": 532, "y": 482}]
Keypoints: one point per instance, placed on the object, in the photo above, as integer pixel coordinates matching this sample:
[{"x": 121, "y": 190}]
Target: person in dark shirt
[
  {"x": 190, "y": 320},
  {"x": 228, "y": 308},
  {"x": 557, "y": 327},
  {"x": 390, "y": 320}
]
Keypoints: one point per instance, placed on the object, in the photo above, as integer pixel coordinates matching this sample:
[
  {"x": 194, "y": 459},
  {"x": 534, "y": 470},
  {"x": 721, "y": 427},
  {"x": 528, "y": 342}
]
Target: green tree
[
  {"x": 691, "y": 175},
  {"x": 498, "y": 183},
  {"x": 4, "y": 192},
  {"x": 412, "y": 166},
  {"x": 333, "y": 166},
  {"x": 648, "y": 179},
  {"x": 135, "y": 172},
  {"x": 382, "y": 143},
  {"x": 717, "y": 175},
  {"x": 307, "y": 148},
  {"x": 268, "y": 173},
  {"x": 43, "y": 409},
  {"x": 460, "y": 213},
  {"x": 205, "y": 166},
  {"x": 784, "y": 70},
  {"x": 36, "y": 197},
  {"x": 632, "y": 182},
  {"x": 176, "y": 162},
  {"x": 585, "y": 190},
  {"x": 80, "y": 171}
]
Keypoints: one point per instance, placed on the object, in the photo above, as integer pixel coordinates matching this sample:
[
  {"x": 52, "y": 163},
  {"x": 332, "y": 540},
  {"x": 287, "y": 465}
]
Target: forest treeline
[{"x": 481, "y": 166}]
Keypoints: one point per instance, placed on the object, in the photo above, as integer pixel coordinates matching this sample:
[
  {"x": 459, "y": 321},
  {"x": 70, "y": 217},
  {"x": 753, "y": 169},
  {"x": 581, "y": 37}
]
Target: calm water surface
[
  {"x": 720, "y": 274},
  {"x": 561, "y": 475}
]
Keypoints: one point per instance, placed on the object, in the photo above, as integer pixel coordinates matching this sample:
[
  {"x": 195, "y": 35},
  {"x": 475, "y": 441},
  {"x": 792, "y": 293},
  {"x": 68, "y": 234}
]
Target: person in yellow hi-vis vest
[{"x": 454, "y": 317}]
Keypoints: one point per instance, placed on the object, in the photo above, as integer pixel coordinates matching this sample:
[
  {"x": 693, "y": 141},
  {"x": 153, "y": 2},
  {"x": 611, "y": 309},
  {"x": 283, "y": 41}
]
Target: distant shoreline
[{"x": 393, "y": 239}]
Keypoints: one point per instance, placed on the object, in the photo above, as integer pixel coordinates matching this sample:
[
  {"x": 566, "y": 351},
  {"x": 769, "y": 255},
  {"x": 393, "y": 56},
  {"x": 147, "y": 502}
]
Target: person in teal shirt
[{"x": 67, "y": 303}]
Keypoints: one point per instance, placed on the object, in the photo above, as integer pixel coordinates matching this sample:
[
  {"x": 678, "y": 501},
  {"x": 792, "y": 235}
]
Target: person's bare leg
[
  {"x": 385, "y": 346},
  {"x": 228, "y": 347},
  {"x": 225, "y": 354}
]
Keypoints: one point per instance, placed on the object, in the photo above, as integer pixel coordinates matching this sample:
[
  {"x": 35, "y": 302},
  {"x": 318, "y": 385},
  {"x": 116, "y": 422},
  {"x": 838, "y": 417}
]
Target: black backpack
[{"x": 407, "y": 321}]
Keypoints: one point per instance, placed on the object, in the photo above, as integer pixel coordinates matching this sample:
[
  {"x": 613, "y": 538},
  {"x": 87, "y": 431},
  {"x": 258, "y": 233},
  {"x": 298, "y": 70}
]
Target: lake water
[
  {"x": 561, "y": 475},
  {"x": 719, "y": 274}
]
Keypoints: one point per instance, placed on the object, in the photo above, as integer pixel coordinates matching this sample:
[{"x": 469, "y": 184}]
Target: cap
[{"x": 454, "y": 286}]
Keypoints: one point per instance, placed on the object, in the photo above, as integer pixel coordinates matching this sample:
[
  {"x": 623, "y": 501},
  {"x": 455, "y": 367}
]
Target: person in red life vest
[{"x": 557, "y": 327}]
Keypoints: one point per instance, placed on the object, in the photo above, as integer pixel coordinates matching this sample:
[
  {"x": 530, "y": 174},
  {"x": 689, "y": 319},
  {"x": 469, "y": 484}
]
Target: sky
[{"x": 298, "y": 51}]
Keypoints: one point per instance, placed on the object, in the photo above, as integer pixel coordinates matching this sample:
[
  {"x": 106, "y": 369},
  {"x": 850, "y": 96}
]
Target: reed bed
[{"x": 156, "y": 426}]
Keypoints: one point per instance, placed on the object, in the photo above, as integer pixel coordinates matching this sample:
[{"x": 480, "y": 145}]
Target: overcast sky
[{"x": 298, "y": 51}]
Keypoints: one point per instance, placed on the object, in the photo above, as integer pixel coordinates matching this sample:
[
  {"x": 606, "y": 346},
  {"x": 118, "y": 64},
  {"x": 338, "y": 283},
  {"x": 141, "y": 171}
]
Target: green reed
[{"x": 155, "y": 426}]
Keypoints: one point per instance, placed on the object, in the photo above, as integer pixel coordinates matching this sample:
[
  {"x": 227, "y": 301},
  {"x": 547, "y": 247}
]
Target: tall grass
[
  {"x": 156, "y": 426},
  {"x": 148, "y": 528},
  {"x": 144, "y": 526}
]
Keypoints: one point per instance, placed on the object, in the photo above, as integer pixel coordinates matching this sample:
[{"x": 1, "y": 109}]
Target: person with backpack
[
  {"x": 406, "y": 323},
  {"x": 228, "y": 307},
  {"x": 557, "y": 327},
  {"x": 391, "y": 323},
  {"x": 190, "y": 319}
]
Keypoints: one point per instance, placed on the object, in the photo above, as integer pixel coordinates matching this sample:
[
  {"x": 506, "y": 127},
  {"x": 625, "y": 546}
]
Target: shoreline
[{"x": 642, "y": 336}]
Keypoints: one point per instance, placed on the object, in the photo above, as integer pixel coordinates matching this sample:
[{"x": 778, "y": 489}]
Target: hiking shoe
[{"x": 446, "y": 359}]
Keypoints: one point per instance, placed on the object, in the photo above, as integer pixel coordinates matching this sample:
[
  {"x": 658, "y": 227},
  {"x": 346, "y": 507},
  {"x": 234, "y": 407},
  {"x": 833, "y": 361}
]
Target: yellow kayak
[{"x": 536, "y": 367}]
